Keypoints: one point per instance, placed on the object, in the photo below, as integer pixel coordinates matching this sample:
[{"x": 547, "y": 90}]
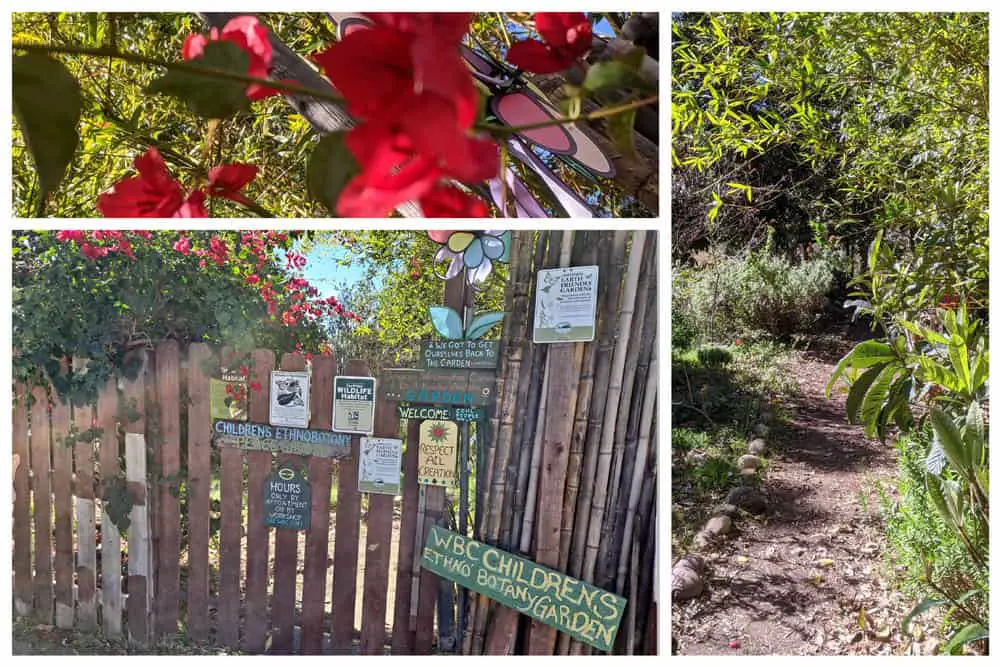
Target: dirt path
[{"x": 798, "y": 581}]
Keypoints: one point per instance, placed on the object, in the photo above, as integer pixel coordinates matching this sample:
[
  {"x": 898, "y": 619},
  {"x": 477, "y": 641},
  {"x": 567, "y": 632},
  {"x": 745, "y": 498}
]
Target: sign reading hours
[
  {"x": 287, "y": 499},
  {"x": 353, "y": 404}
]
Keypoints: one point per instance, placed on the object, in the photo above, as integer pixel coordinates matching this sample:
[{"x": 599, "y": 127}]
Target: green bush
[
  {"x": 759, "y": 291},
  {"x": 713, "y": 357},
  {"x": 682, "y": 330}
]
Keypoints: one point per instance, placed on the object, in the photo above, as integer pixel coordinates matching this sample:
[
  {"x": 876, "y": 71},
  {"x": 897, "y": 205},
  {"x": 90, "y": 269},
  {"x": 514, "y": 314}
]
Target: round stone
[
  {"x": 749, "y": 461},
  {"x": 719, "y": 525},
  {"x": 748, "y": 498},
  {"x": 725, "y": 508},
  {"x": 685, "y": 583},
  {"x": 761, "y": 430},
  {"x": 757, "y": 446}
]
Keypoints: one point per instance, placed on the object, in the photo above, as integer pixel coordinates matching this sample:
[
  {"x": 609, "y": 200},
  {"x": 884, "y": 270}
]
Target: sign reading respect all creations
[{"x": 584, "y": 612}]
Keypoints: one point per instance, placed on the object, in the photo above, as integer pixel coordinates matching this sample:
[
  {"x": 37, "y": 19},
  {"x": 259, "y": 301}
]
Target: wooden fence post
[
  {"x": 139, "y": 605},
  {"x": 111, "y": 544},
  {"x": 86, "y": 519},
  {"x": 62, "y": 483},
  {"x": 199, "y": 483},
  {"x": 22, "y": 505},
  {"x": 41, "y": 465}
]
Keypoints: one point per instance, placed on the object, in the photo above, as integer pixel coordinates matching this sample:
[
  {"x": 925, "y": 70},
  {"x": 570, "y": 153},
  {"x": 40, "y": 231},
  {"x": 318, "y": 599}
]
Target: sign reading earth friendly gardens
[
  {"x": 460, "y": 354},
  {"x": 582, "y": 611},
  {"x": 454, "y": 414},
  {"x": 287, "y": 499},
  {"x": 266, "y": 438},
  {"x": 566, "y": 305},
  {"x": 353, "y": 404},
  {"x": 437, "y": 453},
  {"x": 436, "y": 387},
  {"x": 379, "y": 465}
]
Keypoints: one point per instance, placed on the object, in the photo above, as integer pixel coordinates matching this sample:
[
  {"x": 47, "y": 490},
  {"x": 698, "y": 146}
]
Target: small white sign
[
  {"x": 379, "y": 466},
  {"x": 566, "y": 305},
  {"x": 290, "y": 398}
]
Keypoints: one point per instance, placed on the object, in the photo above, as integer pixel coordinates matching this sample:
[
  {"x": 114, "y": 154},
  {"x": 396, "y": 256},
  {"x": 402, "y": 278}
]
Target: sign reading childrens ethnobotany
[
  {"x": 287, "y": 498},
  {"x": 290, "y": 398},
  {"x": 436, "y": 387},
  {"x": 454, "y": 414},
  {"x": 437, "y": 453},
  {"x": 460, "y": 354},
  {"x": 584, "y": 612},
  {"x": 566, "y": 305},
  {"x": 254, "y": 437},
  {"x": 353, "y": 404},
  {"x": 379, "y": 465}
]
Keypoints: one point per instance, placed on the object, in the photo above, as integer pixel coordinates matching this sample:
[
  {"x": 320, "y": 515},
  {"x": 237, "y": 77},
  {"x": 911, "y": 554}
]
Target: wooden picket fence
[{"x": 163, "y": 419}]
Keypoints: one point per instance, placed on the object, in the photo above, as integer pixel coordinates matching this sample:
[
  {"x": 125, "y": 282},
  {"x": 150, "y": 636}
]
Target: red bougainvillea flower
[
  {"x": 227, "y": 180},
  {"x": 449, "y": 202},
  {"x": 567, "y": 36},
  {"x": 154, "y": 193},
  {"x": 248, "y": 34}
]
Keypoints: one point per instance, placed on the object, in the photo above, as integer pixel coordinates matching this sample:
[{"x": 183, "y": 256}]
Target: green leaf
[
  {"x": 446, "y": 322},
  {"x": 970, "y": 633},
  {"x": 864, "y": 355},
  {"x": 480, "y": 324},
  {"x": 47, "y": 105},
  {"x": 331, "y": 167},
  {"x": 950, "y": 438},
  {"x": 633, "y": 59},
  {"x": 923, "y": 606},
  {"x": 207, "y": 95},
  {"x": 858, "y": 390},
  {"x": 875, "y": 399},
  {"x": 620, "y": 130},
  {"x": 611, "y": 74}
]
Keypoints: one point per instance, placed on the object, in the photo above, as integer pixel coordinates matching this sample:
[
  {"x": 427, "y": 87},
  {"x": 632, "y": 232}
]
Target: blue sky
[{"x": 325, "y": 272}]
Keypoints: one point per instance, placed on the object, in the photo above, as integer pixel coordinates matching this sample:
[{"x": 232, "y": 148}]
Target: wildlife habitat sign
[
  {"x": 584, "y": 612},
  {"x": 353, "y": 404},
  {"x": 566, "y": 305}
]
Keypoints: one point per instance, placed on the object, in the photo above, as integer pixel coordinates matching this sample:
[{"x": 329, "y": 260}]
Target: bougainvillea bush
[
  {"x": 106, "y": 295},
  {"x": 420, "y": 134}
]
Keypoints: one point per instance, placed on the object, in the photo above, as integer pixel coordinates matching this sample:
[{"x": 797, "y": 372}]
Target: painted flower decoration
[
  {"x": 473, "y": 251},
  {"x": 439, "y": 432}
]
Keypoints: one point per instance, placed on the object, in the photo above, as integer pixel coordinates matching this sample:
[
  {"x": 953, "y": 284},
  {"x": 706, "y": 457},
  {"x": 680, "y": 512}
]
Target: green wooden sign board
[
  {"x": 452, "y": 414},
  {"x": 460, "y": 354},
  {"x": 287, "y": 499},
  {"x": 582, "y": 611},
  {"x": 437, "y": 387},
  {"x": 256, "y": 437}
]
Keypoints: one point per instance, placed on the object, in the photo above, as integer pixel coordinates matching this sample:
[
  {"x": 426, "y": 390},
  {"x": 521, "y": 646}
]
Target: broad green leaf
[
  {"x": 446, "y": 322},
  {"x": 209, "y": 96},
  {"x": 959, "y": 356},
  {"x": 858, "y": 390},
  {"x": 931, "y": 371},
  {"x": 864, "y": 355},
  {"x": 937, "y": 496},
  {"x": 923, "y": 606},
  {"x": 482, "y": 323},
  {"x": 47, "y": 105},
  {"x": 611, "y": 74},
  {"x": 331, "y": 167},
  {"x": 970, "y": 633},
  {"x": 875, "y": 399},
  {"x": 950, "y": 438},
  {"x": 620, "y": 130}
]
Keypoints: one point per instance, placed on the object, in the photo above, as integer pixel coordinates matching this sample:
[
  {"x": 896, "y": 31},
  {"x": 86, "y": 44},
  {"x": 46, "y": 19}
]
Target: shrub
[
  {"x": 759, "y": 291},
  {"x": 682, "y": 330},
  {"x": 713, "y": 357}
]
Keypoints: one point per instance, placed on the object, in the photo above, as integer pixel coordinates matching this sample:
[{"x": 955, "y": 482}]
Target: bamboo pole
[
  {"x": 527, "y": 529},
  {"x": 627, "y": 424},
  {"x": 603, "y": 473}
]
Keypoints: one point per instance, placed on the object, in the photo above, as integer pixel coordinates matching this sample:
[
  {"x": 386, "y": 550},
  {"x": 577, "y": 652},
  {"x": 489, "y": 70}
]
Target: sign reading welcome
[
  {"x": 582, "y": 611},
  {"x": 267, "y": 438}
]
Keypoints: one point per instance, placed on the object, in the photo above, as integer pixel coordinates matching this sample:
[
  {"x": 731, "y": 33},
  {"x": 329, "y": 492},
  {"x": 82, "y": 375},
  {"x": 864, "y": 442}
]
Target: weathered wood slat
[
  {"x": 111, "y": 544},
  {"x": 168, "y": 455},
  {"x": 139, "y": 606},
  {"x": 41, "y": 463},
  {"x": 22, "y": 504},
  {"x": 318, "y": 534},
  {"x": 86, "y": 523},
  {"x": 258, "y": 535},
  {"x": 402, "y": 637},
  {"x": 429, "y": 582},
  {"x": 231, "y": 535},
  {"x": 286, "y": 543},
  {"x": 199, "y": 484},
  {"x": 347, "y": 533},
  {"x": 62, "y": 481}
]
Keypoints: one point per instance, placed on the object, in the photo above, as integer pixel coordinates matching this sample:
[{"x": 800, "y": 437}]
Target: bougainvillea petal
[
  {"x": 227, "y": 180},
  {"x": 152, "y": 194},
  {"x": 533, "y": 56},
  {"x": 565, "y": 29},
  {"x": 194, "y": 207},
  {"x": 248, "y": 34}
]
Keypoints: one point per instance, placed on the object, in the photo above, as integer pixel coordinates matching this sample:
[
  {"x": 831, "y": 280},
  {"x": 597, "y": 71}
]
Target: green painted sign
[
  {"x": 256, "y": 437},
  {"x": 452, "y": 414},
  {"x": 582, "y": 611},
  {"x": 436, "y": 387},
  {"x": 287, "y": 499},
  {"x": 460, "y": 354}
]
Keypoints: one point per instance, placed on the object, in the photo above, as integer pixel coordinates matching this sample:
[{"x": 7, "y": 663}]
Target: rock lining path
[{"x": 797, "y": 581}]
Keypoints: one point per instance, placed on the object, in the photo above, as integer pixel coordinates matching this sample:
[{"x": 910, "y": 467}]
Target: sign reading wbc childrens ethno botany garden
[
  {"x": 582, "y": 611},
  {"x": 255, "y": 437},
  {"x": 566, "y": 305}
]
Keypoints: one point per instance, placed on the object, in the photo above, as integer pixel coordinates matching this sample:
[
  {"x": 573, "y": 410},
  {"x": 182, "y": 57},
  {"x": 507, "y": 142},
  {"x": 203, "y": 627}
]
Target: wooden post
[
  {"x": 139, "y": 606},
  {"x": 231, "y": 533},
  {"x": 62, "y": 480},
  {"x": 168, "y": 512},
  {"x": 41, "y": 465},
  {"x": 22, "y": 505},
  {"x": 318, "y": 534},
  {"x": 86, "y": 520},
  {"x": 402, "y": 636},
  {"x": 199, "y": 443},
  {"x": 111, "y": 543}
]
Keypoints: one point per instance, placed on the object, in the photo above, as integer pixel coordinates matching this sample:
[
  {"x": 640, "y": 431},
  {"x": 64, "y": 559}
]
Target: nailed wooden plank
[
  {"x": 140, "y": 557},
  {"x": 111, "y": 544},
  {"x": 168, "y": 455},
  {"x": 41, "y": 465},
  {"x": 86, "y": 522},
  {"x": 347, "y": 534},
  {"x": 258, "y": 547},
  {"x": 286, "y": 543},
  {"x": 199, "y": 484},
  {"x": 429, "y": 582},
  {"x": 62, "y": 484},
  {"x": 230, "y": 538},
  {"x": 402, "y": 637},
  {"x": 378, "y": 546},
  {"x": 318, "y": 534},
  {"x": 22, "y": 504}
]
